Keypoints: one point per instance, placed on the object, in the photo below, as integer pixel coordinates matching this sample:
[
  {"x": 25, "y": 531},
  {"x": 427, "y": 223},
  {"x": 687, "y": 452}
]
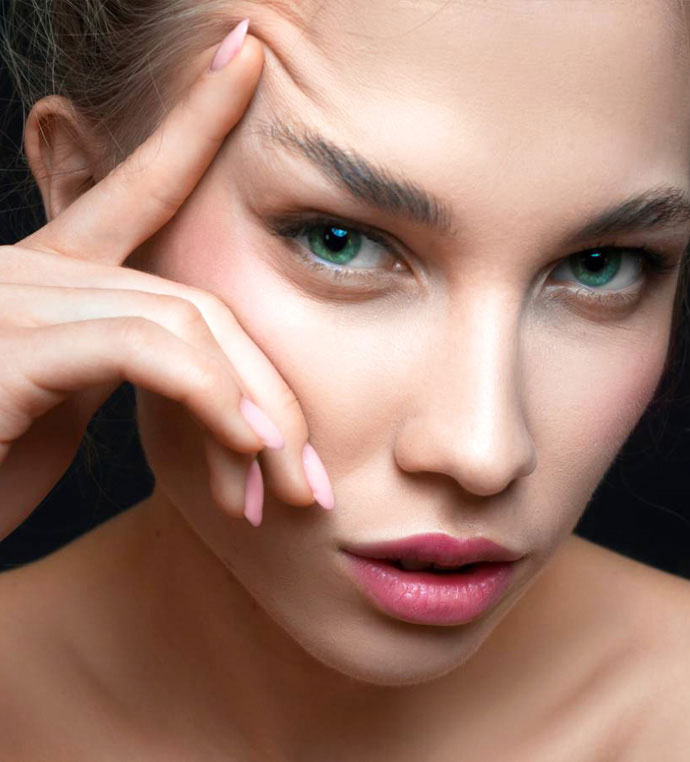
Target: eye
[
  {"x": 605, "y": 269},
  {"x": 340, "y": 245},
  {"x": 341, "y": 250}
]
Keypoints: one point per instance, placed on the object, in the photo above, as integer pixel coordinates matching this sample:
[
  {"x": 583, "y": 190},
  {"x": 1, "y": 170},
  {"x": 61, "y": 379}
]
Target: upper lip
[{"x": 437, "y": 548}]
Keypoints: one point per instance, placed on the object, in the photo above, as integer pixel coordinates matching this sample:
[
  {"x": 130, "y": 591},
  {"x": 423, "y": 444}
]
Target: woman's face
[{"x": 460, "y": 373}]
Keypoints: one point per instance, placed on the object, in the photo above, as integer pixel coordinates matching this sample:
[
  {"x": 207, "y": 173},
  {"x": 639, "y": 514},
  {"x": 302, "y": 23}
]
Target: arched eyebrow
[
  {"x": 365, "y": 180},
  {"x": 654, "y": 209}
]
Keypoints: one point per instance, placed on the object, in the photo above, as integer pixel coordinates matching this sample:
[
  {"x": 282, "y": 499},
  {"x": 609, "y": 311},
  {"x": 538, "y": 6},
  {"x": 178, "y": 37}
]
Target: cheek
[
  {"x": 584, "y": 386},
  {"x": 340, "y": 362},
  {"x": 585, "y": 396},
  {"x": 593, "y": 392}
]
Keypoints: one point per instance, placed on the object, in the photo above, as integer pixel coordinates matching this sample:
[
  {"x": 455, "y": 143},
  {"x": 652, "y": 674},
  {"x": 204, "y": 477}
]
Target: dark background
[{"x": 640, "y": 509}]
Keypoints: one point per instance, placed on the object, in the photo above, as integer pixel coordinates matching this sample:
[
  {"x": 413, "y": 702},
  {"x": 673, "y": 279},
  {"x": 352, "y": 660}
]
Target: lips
[
  {"x": 435, "y": 552},
  {"x": 460, "y": 580}
]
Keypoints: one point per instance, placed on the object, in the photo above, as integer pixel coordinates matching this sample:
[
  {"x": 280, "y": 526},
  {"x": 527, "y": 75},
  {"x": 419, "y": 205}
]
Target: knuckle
[
  {"x": 183, "y": 313},
  {"x": 212, "y": 307},
  {"x": 135, "y": 333},
  {"x": 206, "y": 378},
  {"x": 208, "y": 303}
]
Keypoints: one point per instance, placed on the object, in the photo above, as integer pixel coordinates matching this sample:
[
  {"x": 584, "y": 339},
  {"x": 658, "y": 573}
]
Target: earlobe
[{"x": 60, "y": 153}]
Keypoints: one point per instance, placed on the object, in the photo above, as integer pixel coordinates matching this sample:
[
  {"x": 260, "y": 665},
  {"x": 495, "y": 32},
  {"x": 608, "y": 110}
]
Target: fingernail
[
  {"x": 230, "y": 46},
  {"x": 261, "y": 424},
  {"x": 254, "y": 495},
  {"x": 317, "y": 478}
]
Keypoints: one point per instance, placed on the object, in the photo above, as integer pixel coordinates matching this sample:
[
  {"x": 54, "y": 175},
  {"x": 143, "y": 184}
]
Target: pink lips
[
  {"x": 429, "y": 597},
  {"x": 436, "y": 548}
]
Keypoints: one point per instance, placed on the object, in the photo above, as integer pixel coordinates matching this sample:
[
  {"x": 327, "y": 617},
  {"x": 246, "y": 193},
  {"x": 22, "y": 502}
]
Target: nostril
[{"x": 484, "y": 455}]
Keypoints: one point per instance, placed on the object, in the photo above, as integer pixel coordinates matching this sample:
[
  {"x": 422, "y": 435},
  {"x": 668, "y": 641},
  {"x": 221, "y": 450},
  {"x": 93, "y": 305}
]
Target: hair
[{"x": 116, "y": 61}]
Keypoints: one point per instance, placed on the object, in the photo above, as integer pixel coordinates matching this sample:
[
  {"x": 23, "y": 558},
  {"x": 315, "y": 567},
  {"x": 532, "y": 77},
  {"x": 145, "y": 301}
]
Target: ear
[{"x": 61, "y": 152}]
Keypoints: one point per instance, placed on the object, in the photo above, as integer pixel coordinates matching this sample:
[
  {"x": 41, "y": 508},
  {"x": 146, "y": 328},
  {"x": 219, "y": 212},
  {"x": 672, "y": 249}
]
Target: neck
[{"x": 193, "y": 646}]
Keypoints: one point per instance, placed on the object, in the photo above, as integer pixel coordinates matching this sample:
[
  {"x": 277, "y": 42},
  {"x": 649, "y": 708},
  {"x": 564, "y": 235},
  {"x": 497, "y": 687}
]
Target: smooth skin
[
  {"x": 473, "y": 393},
  {"x": 76, "y": 324}
]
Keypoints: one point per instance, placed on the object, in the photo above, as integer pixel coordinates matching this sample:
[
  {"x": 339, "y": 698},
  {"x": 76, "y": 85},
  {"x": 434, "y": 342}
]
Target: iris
[
  {"x": 334, "y": 244},
  {"x": 595, "y": 268}
]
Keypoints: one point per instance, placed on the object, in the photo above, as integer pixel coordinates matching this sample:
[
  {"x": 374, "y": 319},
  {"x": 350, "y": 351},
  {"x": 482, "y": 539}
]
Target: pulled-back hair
[{"x": 113, "y": 59}]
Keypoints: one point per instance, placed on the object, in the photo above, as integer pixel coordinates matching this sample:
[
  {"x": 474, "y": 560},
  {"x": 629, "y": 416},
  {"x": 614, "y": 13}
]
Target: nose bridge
[{"x": 471, "y": 424}]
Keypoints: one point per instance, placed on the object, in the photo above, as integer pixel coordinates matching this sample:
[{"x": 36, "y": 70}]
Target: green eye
[
  {"x": 595, "y": 268},
  {"x": 605, "y": 269},
  {"x": 334, "y": 244}
]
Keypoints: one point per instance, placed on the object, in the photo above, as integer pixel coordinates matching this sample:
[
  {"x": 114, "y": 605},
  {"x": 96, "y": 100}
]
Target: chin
[
  {"x": 369, "y": 647},
  {"x": 319, "y": 628}
]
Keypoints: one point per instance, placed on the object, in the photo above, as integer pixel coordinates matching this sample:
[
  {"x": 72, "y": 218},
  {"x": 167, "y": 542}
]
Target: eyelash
[
  {"x": 655, "y": 262},
  {"x": 297, "y": 226}
]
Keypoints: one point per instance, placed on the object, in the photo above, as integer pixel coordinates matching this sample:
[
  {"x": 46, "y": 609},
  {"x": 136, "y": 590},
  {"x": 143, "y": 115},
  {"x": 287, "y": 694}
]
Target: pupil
[
  {"x": 336, "y": 239},
  {"x": 596, "y": 262}
]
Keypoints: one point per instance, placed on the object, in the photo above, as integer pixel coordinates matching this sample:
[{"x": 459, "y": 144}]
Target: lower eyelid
[
  {"x": 623, "y": 296},
  {"x": 601, "y": 302},
  {"x": 354, "y": 280}
]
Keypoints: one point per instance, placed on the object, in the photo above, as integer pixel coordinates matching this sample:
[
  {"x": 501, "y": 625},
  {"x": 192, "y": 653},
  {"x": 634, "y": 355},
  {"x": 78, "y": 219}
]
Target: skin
[{"x": 470, "y": 392}]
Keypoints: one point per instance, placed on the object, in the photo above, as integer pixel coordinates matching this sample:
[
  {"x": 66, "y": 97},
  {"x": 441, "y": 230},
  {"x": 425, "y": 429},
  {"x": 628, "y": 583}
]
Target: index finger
[{"x": 142, "y": 193}]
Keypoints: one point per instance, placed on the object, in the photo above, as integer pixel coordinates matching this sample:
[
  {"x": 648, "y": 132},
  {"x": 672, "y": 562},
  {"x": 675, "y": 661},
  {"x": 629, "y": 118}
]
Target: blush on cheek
[
  {"x": 598, "y": 395},
  {"x": 586, "y": 395},
  {"x": 631, "y": 385}
]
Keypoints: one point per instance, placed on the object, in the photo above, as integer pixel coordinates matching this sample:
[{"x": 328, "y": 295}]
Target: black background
[{"x": 640, "y": 509}]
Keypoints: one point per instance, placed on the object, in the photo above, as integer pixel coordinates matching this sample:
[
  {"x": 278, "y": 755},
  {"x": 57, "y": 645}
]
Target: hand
[{"x": 74, "y": 325}]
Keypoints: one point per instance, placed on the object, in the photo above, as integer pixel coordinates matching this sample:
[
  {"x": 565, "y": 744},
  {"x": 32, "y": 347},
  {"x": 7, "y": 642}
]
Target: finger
[
  {"x": 142, "y": 193},
  {"x": 51, "y": 362},
  {"x": 33, "y": 464},
  {"x": 235, "y": 482},
  {"x": 34, "y": 306},
  {"x": 283, "y": 469}
]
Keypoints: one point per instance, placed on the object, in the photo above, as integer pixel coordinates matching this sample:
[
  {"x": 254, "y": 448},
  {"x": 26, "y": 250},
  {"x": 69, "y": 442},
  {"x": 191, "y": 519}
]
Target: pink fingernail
[
  {"x": 262, "y": 424},
  {"x": 230, "y": 46},
  {"x": 318, "y": 478},
  {"x": 254, "y": 495}
]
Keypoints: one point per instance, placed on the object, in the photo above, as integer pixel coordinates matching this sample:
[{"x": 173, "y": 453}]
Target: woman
[{"x": 413, "y": 263}]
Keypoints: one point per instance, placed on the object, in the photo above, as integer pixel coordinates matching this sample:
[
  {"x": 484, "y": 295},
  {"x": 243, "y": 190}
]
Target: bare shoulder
[
  {"x": 30, "y": 652},
  {"x": 49, "y": 701},
  {"x": 651, "y": 609},
  {"x": 656, "y": 601},
  {"x": 57, "y": 697},
  {"x": 652, "y": 604}
]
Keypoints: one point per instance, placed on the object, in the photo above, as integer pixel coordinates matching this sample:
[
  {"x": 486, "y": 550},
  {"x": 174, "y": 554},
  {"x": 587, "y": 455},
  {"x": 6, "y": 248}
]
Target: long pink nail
[
  {"x": 318, "y": 478},
  {"x": 261, "y": 424},
  {"x": 230, "y": 46},
  {"x": 254, "y": 495}
]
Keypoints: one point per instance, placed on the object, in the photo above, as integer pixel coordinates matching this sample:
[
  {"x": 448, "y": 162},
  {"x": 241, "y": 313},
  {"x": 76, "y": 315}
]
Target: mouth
[
  {"x": 433, "y": 578},
  {"x": 437, "y": 552},
  {"x": 405, "y": 565}
]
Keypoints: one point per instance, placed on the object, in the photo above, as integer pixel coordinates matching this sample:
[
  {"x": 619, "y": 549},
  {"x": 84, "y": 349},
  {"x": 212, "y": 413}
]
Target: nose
[{"x": 466, "y": 417}]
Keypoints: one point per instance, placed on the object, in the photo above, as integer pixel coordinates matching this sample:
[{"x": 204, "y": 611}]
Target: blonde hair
[{"x": 112, "y": 58}]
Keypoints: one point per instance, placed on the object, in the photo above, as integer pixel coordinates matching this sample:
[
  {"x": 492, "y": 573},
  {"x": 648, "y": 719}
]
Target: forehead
[
  {"x": 479, "y": 48},
  {"x": 543, "y": 87}
]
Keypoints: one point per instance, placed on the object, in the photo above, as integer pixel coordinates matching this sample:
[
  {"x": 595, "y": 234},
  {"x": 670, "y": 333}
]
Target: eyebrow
[
  {"x": 366, "y": 181},
  {"x": 655, "y": 209}
]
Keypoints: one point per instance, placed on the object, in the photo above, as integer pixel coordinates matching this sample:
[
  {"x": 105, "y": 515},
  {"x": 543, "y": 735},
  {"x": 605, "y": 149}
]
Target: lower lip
[{"x": 428, "y": 598}]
